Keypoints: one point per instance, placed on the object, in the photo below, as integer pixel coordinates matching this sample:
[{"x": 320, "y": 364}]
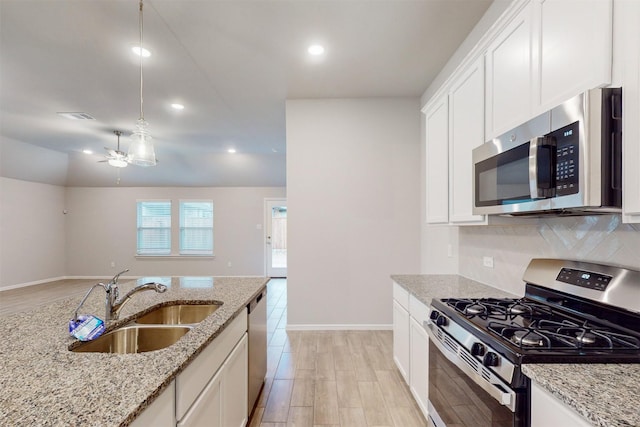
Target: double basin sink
[{"x": 154, "y": 330}]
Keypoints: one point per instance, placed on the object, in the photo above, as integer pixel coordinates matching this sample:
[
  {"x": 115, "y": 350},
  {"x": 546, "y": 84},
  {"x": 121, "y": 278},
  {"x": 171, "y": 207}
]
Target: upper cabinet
[
  {"x": 466, "y": 132},
  {"x": 509, "y": 75},
  {"x": 436, "y": 162},
  {"x": 574, "y": 46},
  {"x": 550, "y": 51}
]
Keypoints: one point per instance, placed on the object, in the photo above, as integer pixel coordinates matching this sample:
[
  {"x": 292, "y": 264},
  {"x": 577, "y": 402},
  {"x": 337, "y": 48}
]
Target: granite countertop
[
  {"x": 43, "y": 383},
  {"x": 425, "y": 287},
  {"x": 604, "y": 394}
]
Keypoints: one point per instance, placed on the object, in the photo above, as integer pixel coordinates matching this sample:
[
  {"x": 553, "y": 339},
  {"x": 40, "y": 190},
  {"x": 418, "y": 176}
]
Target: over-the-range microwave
[{"x": 565, "y": 161}]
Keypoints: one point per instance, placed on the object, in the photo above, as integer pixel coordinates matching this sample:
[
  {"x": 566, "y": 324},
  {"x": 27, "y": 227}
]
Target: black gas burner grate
[
  {"x": 499, "y": 309},
  {"x": 565, "y": 334}
]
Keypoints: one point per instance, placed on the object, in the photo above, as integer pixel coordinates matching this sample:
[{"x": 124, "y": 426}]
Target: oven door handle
[{"x": 497, "y": 391}]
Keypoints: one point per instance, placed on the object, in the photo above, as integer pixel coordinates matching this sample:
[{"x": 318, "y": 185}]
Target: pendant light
[{"x": 141, "y": 151}]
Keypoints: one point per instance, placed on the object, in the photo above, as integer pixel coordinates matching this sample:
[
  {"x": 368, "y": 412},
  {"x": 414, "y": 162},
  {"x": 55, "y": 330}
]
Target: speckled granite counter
[
  {"x": 606, "y": 395},
  {"x": 45, "y": 384},
  {"x": 425, "y": 287}
]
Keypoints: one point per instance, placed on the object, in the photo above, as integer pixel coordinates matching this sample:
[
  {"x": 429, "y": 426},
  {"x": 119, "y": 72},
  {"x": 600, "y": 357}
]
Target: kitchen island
[
  {"x": 44, "y": 383},
  {"x": 605, "y": 395}
]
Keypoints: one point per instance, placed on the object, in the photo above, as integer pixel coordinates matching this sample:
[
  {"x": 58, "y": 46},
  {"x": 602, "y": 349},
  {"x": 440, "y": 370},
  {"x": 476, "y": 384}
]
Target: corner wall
[
  {"x": 353, "y": 182},
  {"x": 32, "y": 232}
]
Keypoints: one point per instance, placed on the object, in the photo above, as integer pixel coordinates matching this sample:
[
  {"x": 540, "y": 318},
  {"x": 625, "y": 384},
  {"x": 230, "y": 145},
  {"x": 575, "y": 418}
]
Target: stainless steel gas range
[{"x": 572, "y": 312}]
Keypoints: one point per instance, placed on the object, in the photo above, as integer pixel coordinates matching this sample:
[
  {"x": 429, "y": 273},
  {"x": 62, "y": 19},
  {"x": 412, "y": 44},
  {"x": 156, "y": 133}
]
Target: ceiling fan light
[
  {"x": 141, "y": 151},
  {"x": 118, "y": 163}
]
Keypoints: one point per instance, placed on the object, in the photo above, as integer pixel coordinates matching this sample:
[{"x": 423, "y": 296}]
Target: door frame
[{"x": 267, "y": 219}]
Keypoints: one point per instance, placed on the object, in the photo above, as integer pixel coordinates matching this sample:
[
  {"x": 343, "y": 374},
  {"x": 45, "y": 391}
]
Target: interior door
[{"x": 276, "y": 237}]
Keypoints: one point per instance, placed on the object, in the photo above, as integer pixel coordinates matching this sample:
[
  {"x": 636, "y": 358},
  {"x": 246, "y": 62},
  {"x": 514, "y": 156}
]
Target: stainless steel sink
[
  {"x": 179, "y": 314},
  {"x": 134, "y": 339}
]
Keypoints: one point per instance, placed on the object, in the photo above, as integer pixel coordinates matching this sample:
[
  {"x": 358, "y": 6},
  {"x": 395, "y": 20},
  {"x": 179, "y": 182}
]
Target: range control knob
[
  {"x": 478, "y": 349},
  {"x": 434, "y": 315},
  {"x": 441, "y": 320},
  {"x": 490, "y": 359}
]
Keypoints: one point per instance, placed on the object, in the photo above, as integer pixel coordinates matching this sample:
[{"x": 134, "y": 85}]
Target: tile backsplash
[{"x": 512, "y": 242}]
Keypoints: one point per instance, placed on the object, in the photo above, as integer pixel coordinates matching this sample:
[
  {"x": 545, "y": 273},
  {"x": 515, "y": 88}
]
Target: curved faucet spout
[{"x": 114, "y": 309}]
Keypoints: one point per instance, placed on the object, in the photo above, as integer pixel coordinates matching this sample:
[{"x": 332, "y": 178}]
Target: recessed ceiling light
[
  {"x": 231, "y": 150},
  {"x": 315, "y": 50},
  {"x": 145, "y": 53},
  {"x": 87, "y": 151},
  {"x": 177, "y": 106}
]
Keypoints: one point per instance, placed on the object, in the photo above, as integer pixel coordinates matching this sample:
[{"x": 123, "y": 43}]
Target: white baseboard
[{"x": 340, "y": 327}]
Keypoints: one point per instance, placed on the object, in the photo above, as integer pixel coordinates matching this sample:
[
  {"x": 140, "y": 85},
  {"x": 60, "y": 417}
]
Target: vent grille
[
  {"x": 485, "y": 374},
  {"x": 76, "y": 116},
  {"x": 450, "y": 342},
  {"x": 469, "y": 360}
]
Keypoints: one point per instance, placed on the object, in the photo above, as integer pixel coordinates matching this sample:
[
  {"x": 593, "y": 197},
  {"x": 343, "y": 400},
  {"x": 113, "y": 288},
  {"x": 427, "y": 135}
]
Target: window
[
  {"x": 154, "y": 228},
  {"x": 196, "y": 228}
]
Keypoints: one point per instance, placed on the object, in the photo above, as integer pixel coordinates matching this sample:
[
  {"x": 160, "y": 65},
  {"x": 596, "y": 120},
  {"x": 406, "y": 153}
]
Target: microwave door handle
[
  {"x": 541, "y": 165},
  {"x": 533, "y": 167}
]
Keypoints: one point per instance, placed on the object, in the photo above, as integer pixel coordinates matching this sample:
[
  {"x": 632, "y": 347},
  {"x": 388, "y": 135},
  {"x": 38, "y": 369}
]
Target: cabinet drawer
[
  {"x": 418, "y": 310},
  {"x": 401, "y": 295},
  {"x": 195, "y": 377}
]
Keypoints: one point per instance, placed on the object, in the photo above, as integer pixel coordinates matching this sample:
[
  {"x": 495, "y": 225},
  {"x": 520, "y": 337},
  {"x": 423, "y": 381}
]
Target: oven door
[{"x": 463, "y": 393}]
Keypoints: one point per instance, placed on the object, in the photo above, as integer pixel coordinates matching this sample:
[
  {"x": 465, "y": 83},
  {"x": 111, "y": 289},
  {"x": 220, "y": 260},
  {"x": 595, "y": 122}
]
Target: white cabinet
[
  {"x": 436, "y": 162},
  {"x": 627, "y": 37},
  {"x": 235, "y": 382},
  {"x": 161, "y": 413},
  {"x": 509, "y": 76},
  {"x": 401, "y": 330},
  {"x": 223, "y": 402},
  {"x": 547, "y": 410},
  {"x": 419, "y": 354},
  {"x": 411, "y": 344},
  {"x": 575, "y": 48},
  {"x": 466, "y": 132}
]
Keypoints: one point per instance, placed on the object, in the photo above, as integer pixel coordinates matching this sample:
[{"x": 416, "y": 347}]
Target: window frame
[
  {"x": 145, "y": 253},
  {"x": 194, "y": 253}
]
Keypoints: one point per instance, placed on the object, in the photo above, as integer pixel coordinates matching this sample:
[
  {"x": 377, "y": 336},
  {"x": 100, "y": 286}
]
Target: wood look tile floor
[
  {"x": 314, "y": 378},
  {"x": 330, "y": 378}
]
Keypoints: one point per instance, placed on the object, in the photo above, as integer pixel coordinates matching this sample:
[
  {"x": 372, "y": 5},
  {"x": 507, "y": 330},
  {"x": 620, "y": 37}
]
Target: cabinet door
[
  {"x": 419, "y": 373},
  {"x": 161, "y": 413},
  {"x": 401, "y": 339},
  {"x": 546, "y": 410},
  {"x": 628, "y": 36},
  {"x": 436, "y": 162},
  {"x": 575, "y": 48},
  {"x": 509, "y": 76},
  {"x": 207, "y": 409},
  {"x": 466, "y": 132},
  {"x": 235, "y": 386}
]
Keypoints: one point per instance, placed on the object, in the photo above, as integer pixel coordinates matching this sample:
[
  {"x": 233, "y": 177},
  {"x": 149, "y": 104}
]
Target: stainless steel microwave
[{"x": 565, "y": 161}]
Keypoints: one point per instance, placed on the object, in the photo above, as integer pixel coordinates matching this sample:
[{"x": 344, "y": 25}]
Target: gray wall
[
  {"x": 38, "y": 242},
  {"x": 353, "y": 184},
  {"x": 32, "y": 232}
]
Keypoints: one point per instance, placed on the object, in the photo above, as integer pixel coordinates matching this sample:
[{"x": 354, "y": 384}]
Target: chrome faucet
[{"x": 112, "y": 303}]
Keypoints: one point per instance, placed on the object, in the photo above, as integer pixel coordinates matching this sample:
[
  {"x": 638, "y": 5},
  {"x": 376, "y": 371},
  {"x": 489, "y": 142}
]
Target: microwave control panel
[{"x": 567, "y": 150}]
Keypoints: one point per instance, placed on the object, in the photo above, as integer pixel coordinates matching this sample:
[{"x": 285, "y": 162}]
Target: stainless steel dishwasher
[{"x": 257, "y": 346}]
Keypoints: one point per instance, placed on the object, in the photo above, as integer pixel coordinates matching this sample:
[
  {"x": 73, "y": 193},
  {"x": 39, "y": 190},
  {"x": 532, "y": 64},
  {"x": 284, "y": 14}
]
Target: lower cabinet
[
  {"x": 419, "y": 378},
  {"x": 547, "y": 410},
  {"x": 212, "y": 391},
  {"x": 223, "y": 402},
  {"x": 411, "y": 344}
]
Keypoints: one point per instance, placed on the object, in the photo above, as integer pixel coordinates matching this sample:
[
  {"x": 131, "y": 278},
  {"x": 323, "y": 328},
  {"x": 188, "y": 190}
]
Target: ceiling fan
[{"x": 116, "y": 158}]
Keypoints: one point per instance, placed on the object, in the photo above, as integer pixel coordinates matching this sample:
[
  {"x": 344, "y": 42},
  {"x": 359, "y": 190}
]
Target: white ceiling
[{"x": 231, "y": 63}]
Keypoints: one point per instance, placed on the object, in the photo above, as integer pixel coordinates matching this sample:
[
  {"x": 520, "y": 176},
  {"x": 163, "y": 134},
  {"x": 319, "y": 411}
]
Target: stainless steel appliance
[
  {"x": 565, "y": 161},
  {"x": 257, "y": 346},
  {"x": 572, "y": 312}
]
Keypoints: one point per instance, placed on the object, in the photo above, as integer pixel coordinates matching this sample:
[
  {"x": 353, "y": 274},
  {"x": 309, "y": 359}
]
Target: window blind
[
  {"x": 154, "y": 228},
  {"x": 196, "y": 228}
]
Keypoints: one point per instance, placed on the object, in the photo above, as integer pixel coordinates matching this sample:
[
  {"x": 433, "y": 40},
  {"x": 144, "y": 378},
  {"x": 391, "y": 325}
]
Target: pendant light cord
[{"x": 141, "y": 79}]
